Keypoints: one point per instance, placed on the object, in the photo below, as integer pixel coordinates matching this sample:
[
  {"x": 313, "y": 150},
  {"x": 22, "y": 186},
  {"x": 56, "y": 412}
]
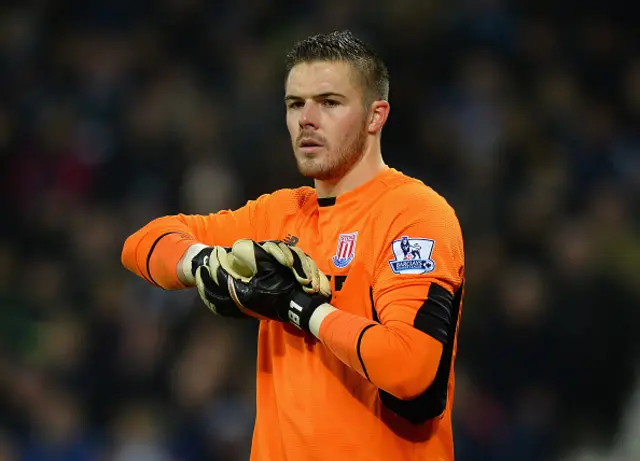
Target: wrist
[
  {"x": 318, "y": 316},
  {"x": 307, "y": 311}
]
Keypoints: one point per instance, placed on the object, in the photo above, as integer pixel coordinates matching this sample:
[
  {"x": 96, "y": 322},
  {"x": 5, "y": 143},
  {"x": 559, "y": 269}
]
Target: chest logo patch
[
  {"x": 412, "y": 256},
  {"x": 291, "y": 240},
  {"x": 346, "y": 250}
]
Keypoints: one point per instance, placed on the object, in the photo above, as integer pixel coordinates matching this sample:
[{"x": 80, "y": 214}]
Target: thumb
[
  {"x": 252, "y": 256},
  {"x": 232, "y": 265}
]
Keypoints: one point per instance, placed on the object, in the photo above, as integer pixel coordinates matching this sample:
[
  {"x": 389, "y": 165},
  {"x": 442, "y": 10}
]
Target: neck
[{"x": 367, "y": 168}]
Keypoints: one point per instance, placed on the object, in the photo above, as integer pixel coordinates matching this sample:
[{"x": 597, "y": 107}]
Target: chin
[{"x": 315, "y": 170}]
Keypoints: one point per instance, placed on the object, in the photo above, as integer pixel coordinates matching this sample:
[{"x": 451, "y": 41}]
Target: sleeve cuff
[{"x": 321, "y": 313}]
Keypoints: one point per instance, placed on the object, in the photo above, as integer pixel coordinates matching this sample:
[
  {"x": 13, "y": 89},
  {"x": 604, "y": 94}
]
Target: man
[{"x": 368, "y": 375}]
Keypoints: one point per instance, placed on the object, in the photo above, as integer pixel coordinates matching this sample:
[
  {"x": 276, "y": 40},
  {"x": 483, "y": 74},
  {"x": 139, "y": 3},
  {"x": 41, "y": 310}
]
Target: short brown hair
[{"x": 344, "y": 46}]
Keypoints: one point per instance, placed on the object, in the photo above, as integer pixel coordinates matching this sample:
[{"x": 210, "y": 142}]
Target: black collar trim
[{"x": 326, "y": 201}]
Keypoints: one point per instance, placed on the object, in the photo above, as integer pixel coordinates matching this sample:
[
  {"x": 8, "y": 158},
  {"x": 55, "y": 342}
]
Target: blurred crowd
[{"x": 112, "y": 113}]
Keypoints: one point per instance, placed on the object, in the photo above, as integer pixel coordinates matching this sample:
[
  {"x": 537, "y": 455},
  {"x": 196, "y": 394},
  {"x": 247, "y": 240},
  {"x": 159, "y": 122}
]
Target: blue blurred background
[{"x": 523, "y": 115}]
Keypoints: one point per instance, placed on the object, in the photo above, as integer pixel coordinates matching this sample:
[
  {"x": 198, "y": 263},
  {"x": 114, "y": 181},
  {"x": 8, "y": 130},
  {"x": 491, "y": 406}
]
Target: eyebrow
[{"x": 330, "y": 94}]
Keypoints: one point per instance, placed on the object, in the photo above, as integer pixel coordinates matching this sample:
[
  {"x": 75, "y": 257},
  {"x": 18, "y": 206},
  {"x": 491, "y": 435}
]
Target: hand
[
  {"x": 291, "y": 281},
  {"x": 303, "y": 267},
  {"x": 205, "y": 268}
]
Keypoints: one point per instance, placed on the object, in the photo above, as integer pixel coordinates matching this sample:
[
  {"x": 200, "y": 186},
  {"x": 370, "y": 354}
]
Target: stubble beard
[{"x": 334, "y": 165}]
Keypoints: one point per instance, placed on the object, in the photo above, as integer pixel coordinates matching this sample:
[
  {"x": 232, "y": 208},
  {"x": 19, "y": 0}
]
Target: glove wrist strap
[{"x": 301, "y": 307}]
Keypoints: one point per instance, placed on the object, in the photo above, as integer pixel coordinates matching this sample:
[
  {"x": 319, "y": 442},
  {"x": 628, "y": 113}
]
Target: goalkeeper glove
[
  {"x": 219, "y": 279},
  {"x": 257, "y": 286},
  {"x": 295, "y": 284},
  {"x": 199, "y": 269}
]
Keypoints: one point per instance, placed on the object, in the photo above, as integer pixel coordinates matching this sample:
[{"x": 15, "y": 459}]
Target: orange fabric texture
[
  {"x": 153, "y": 252},
  {"x": 341, "y": 332},
  {"x": 313, "y": 401},
  {"x": 396, "y": 358}
]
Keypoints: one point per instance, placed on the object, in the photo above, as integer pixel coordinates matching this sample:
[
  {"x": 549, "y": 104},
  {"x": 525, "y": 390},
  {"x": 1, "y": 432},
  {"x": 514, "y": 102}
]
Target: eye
[
  {"x": 330, "y": 103},
  {"x": 295, "y": 105}
]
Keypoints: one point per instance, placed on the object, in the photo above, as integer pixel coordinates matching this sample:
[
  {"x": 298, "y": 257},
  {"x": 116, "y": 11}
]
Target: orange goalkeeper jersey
[{"x": 393, "y": 251}]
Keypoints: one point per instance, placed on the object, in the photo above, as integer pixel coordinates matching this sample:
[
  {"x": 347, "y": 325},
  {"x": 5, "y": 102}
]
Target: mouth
[
  {"x": 309, "y": 146},
  {"x": 308, "y": 143}
]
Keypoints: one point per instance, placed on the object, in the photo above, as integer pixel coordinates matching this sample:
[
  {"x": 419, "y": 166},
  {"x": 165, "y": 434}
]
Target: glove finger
[
  {"x": 289, "y": 257},
  {"x": 243, "y": 256},
  {"x": 224, "y": 278},
  {"x": 237, "y": 268},
  {"x": 233, "y": 266},
  {"x": 324, "y": 286},
  {"x": 319, "y": 283},
  {"x": 258, "y": 259},
  {"x": 279, "y": 251},
  {"x": 305, "y": 269},
  {"x": 205, "y": 284},
  {"x": 212, "y": 263}
]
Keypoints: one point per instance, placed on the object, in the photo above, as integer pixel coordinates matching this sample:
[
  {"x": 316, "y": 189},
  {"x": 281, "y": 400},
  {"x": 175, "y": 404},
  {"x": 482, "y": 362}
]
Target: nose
[{"x": 309, "y": 116}]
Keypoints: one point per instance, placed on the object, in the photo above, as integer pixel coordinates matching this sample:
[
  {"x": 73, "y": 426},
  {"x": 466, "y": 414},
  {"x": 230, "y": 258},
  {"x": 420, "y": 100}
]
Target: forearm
[
  {"x": 154, "y": 251},
  {"x": 395, "y": 357}
]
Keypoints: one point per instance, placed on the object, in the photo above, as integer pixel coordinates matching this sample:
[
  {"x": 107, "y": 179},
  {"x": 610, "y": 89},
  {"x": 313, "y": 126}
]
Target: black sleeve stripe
[
  {"x": 432, "y": 403},
  {"x": 435, "y": 315},
  {"x": 374, "y": 312},
  {"x": 440, "y": 296},
  {"x": 153, "y": 247},
  {"x": 358, "y": 349}
]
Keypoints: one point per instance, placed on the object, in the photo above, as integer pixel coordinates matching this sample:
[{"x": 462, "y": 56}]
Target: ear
[{"x": 378, "y": 114}]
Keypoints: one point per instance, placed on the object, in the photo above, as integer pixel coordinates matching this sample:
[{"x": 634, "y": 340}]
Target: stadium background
[{"x": 524, "y": 117}]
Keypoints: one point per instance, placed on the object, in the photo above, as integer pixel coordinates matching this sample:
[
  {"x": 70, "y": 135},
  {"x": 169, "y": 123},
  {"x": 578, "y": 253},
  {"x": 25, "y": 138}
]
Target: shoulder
[
  {"x": 286, "y": 201},
  {"x": 411, "y": 199},
  {"x": 418, "y": 216}
]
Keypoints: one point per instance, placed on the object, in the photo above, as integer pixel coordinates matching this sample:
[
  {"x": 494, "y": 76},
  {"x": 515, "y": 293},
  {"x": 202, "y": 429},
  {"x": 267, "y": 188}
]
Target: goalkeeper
[{"x": 357, "y": 282}]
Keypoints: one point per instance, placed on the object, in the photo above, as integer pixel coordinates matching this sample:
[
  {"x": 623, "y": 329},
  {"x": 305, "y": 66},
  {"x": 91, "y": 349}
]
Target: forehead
[{"x": 317, "y": 77}]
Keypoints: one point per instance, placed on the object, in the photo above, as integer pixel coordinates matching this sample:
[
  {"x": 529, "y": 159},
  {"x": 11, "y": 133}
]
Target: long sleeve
[
  {"x": 396, "y": 358},
  {"x": 153, "y": 252},
  {"x": 415, "y": 303}
]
